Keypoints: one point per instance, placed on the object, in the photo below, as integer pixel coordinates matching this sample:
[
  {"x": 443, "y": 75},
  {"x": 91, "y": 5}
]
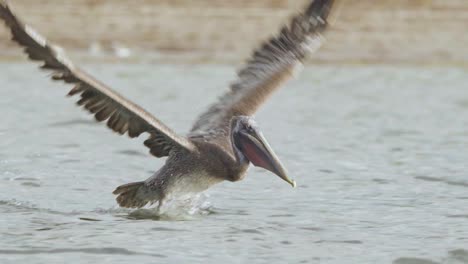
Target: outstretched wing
[
  {"x": 270, "y": 66},
  {"x": 121, "y": 115}
]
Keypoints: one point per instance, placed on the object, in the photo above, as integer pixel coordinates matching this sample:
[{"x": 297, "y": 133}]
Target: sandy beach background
[{"x": 417, "y": 32}]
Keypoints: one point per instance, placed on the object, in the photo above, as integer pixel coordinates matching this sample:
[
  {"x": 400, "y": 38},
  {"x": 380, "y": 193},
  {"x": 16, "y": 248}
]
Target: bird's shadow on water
[{"x": 153, "y": 214}]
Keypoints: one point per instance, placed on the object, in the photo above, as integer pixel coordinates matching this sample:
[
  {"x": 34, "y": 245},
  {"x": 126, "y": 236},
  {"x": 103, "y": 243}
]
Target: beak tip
[{"x": 293, "y": 183}]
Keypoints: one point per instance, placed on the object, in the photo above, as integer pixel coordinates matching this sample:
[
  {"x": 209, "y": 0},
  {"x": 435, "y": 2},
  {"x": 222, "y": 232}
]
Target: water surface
[{"x": 379, "y": 154}]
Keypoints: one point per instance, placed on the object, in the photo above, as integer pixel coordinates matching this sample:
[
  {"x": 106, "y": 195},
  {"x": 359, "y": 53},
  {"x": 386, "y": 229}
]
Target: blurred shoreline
[{"x": 401, "y": 32}]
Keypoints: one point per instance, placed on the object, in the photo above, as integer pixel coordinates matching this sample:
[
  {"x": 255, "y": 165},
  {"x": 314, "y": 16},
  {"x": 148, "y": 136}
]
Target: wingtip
[
  {"x": 4, "y": 4},
  {"x": 3, "y": 7},
  {"x": 325, "y": 10},
  {"x": 320, "y": 7},
  {"x": 6, "y": 13}
]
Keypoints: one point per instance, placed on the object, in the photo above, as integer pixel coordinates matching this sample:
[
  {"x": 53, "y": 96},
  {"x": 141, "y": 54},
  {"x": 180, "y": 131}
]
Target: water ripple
[
  {"x": 449, "y": 182},
  {"x": 73, "y": 122},
  {"x": 129, "y": 152},
  {"x": 96, "y": 251},
  {"x": 414, "y": 261},
  {"x": 460, "y": 255},
  {"x": 28, "y": 207},
  {"x": 340, "y": 241}
]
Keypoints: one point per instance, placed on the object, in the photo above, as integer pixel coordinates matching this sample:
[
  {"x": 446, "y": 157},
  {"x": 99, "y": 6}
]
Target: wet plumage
[{"x": 223, "y": 141}]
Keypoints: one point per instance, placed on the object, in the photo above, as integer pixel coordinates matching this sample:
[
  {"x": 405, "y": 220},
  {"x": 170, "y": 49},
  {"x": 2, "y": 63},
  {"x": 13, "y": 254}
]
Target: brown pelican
[{"x": 223, "y": 141}]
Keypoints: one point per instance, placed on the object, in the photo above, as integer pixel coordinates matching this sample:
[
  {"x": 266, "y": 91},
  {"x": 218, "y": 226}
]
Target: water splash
[{"x": 185, "y": 208}]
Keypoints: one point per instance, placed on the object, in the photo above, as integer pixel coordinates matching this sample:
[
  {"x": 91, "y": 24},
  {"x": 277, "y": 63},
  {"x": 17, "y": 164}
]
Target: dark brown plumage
[{"x": 224, "y": 139}]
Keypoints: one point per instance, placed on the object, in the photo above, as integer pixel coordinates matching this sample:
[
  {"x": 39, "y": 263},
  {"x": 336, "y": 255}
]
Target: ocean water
[{"x": 379, "y": 154}]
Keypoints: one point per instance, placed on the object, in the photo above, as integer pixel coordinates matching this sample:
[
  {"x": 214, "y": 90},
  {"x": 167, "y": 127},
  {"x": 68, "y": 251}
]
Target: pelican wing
[
  {"x": 269, "y": 67},
  {"x": 122, "y": 115}
]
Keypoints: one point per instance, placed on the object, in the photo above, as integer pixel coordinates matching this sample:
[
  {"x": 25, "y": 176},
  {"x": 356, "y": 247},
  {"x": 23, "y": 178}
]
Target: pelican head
[{"x": 249, "y": 143}]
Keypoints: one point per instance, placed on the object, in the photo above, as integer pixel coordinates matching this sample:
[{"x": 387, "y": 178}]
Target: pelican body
[
  {"x": 223, "y": 141},
  {"x": 208, "y": 165}
]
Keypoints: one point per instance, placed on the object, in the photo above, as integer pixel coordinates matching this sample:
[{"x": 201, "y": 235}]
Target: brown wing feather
[
  {"x": 122, "y": 115},
  {"x": 270, "y": 66}
]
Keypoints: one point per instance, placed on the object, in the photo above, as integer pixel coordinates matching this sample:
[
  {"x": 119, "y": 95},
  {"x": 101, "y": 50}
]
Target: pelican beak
[{"x": 256, "y": 148}]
